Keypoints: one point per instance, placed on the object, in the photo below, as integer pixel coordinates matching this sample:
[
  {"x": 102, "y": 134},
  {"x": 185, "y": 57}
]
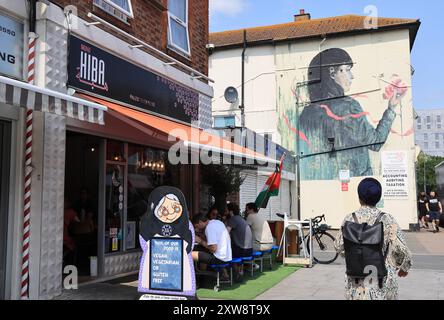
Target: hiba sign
[
  {"x": 11, "y": 49},
  {"x": 96, "y": 71},
  {"x": 167, "y": 240},
  {"x": 92, "y": 69}
]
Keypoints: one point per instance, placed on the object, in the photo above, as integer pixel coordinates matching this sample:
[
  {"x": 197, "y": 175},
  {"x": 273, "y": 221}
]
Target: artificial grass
[{"x": 252, "y": 287}]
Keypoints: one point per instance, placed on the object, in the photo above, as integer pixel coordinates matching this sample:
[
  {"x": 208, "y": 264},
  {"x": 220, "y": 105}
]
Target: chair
[
  {"x": 258, "y": 256},
  {"x": 268, "y": 254},
  {"x": 249, "y": 260},
  {"x": 218, "y": 268}
]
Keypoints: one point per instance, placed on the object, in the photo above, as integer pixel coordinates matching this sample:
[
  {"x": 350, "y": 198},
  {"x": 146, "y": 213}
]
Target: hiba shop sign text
[
  {"x": 96, "y": 71},
  {"x": 92, "y": 69}
]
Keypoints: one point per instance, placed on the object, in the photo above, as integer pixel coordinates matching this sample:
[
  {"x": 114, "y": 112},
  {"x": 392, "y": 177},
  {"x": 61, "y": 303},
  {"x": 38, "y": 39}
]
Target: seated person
[
  {"x": 86, "y": 213},
  {"x": 69, "y": 245},
  {"x": 241, "y": 237},
  {"x": 262, "y": 236},
  {"x": 213, "y": 214},
  {"x": 240, "y": 232},
  {"x": 217, "y": 243}
]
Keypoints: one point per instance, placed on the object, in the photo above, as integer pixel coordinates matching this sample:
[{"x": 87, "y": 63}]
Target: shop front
[
  {"x": 111, "y": 170},
  {"x": 11, "y": 66}
]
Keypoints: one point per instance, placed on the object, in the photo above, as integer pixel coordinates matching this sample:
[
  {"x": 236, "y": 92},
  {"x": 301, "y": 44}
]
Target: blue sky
[{"x": 427, "y": 54}]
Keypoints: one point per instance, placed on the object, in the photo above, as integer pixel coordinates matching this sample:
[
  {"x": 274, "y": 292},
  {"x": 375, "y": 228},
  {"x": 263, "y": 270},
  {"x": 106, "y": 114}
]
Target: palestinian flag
[{"x": 271, "y": 187}]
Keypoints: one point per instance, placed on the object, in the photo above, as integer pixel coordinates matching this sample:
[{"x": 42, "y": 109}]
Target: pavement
[
  {"x": 424, "y": 282},
  {"x": 326, "y": 282}
]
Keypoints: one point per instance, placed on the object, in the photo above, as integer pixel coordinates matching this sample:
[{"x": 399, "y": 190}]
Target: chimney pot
[{"x": 302, "y": 16}]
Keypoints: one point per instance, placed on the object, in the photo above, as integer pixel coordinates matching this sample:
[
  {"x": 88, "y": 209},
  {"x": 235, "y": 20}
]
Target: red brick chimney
[{"x": 302, "y": 16}]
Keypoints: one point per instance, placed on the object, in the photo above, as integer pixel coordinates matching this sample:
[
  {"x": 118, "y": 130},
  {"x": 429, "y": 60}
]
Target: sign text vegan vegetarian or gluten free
[{"x": 94, "y": 70}]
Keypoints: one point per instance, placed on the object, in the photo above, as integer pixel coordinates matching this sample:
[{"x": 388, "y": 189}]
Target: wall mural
[{"x": 335, "y": 131}]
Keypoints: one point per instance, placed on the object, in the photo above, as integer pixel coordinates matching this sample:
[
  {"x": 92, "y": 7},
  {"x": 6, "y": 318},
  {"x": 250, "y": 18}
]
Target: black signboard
[{"x": 94, "y": 70}]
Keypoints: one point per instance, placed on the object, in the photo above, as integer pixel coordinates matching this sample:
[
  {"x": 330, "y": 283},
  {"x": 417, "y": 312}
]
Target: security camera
[{"x": 210, "y": 47}]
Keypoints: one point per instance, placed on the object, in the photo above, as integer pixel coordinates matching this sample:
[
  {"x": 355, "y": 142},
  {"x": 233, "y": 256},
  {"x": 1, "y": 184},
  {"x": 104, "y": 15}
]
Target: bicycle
[{"x": 323, "y": 242}]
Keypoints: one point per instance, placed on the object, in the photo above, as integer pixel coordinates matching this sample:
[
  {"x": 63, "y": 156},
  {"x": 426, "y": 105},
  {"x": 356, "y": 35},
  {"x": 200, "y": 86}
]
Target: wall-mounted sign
[
  {"x": 344, "y": 175},
  {"x": 394, "y": 173},
  {"x": 11, "y": 49},
  {"x": 344, "y": 186},
  {"x": 94, "y": 70}
]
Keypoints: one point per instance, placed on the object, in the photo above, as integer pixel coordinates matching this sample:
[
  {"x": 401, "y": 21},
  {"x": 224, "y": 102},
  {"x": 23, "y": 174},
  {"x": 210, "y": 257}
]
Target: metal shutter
[
  {"x": 248, "y": 190},
  {"x": 285, "y": 196}
]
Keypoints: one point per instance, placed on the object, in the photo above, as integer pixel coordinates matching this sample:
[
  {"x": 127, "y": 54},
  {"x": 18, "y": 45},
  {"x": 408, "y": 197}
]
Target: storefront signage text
[
  {"x": 94, "y": 70},
  {"x": 11, "y": 50}
]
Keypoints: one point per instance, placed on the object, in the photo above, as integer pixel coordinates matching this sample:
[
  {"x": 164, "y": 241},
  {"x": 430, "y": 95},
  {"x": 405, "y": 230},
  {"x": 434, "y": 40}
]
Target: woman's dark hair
[
  {"x": 199, "y": 218},
  {"x": 252, "y": 206},
  {"x": 211, "y": 210},
  {"x": 321, "y": 85},
  {"x": 234, "y": 208}
]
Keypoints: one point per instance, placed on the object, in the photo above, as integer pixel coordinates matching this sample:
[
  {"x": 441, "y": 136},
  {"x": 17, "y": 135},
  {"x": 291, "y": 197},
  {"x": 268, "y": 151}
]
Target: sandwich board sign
[{"x": 167, "y": 240}]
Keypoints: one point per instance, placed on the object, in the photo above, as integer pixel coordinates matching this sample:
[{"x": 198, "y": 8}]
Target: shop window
[
  {"x": 114, "y": 207},
  {"x": 115, "y": 151},
  {"x": 148, "y": 168},
  {"x": 178, "y": 34}
]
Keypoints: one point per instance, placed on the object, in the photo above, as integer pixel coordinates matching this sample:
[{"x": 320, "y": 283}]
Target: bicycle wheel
[{"x": 323, "y": 248}]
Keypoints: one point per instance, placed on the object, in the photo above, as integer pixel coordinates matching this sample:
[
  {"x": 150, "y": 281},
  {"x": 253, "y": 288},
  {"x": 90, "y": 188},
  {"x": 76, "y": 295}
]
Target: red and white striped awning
[{"x": 29, "y": 96}]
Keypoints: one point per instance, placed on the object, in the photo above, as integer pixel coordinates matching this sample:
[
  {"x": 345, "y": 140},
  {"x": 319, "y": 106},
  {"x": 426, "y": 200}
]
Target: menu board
[{"x": 166, "y": 268}]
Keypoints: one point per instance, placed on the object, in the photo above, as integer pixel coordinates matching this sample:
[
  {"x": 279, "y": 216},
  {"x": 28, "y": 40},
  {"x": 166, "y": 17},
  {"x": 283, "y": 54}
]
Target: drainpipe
[{"x": 242, "y": 107}]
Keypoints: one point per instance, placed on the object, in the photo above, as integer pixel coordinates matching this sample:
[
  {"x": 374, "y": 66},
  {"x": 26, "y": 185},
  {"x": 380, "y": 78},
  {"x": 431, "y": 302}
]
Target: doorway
[
  {"x": 5, "y": 155},
  {"x": 81, "y": 216}
]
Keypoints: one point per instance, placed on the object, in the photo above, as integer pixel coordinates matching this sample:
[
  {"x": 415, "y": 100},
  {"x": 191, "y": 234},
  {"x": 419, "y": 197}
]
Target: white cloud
[{"x": 227, "y": 7}]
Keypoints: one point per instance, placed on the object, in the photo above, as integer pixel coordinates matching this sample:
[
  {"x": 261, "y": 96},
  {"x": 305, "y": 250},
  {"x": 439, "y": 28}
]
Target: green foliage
[
  {"x": 428, "y": 163},
  {"x": 222, "y": 180}
]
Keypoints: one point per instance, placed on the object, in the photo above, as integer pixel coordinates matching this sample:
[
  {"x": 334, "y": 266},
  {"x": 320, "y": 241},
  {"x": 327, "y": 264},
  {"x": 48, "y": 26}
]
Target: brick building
[
  {"x": 116, "y": 86},
  {"x": 112, "y": 80}
]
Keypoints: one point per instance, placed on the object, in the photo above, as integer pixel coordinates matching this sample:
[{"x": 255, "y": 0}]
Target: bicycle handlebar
[{"x": 318, "y": 219}]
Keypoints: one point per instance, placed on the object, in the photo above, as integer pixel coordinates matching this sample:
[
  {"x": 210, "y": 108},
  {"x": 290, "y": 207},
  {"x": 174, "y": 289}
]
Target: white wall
[
  {"x": 377, "y": 57},
  {"x": 260, "y": 86}
]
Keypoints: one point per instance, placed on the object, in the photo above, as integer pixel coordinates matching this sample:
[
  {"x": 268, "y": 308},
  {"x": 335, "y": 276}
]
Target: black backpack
[{"x": 363, "y": 245}]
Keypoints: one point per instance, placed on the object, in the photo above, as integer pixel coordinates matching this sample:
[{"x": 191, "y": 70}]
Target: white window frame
[
  {"x": 184, "y": 24},
  {"x": 128, "y": 13}
]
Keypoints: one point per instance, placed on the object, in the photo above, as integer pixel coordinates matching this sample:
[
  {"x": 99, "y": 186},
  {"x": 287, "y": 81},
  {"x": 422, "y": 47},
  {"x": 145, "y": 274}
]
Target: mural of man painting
[{"x": 335, "y": 121}]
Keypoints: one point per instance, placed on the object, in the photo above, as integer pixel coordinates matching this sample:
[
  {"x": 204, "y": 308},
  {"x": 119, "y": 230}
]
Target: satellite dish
[{"x": 231, "y": 95}]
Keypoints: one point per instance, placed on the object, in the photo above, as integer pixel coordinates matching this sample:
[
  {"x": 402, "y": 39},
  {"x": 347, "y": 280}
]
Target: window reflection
[{"x": 148, "y": 168}]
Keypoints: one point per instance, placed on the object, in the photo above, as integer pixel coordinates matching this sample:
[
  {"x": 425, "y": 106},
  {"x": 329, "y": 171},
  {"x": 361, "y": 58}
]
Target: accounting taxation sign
[
  {"x": 11, "y": 49},
  {"x": 394, "y": 173}
]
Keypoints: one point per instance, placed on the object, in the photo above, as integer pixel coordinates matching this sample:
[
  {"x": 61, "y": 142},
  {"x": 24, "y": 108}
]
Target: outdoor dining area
[{"x": 232, "y": 247}]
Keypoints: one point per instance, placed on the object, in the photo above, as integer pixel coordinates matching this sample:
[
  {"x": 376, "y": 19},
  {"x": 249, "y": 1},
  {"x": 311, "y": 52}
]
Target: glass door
[{"x": 5, "y": 154}]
